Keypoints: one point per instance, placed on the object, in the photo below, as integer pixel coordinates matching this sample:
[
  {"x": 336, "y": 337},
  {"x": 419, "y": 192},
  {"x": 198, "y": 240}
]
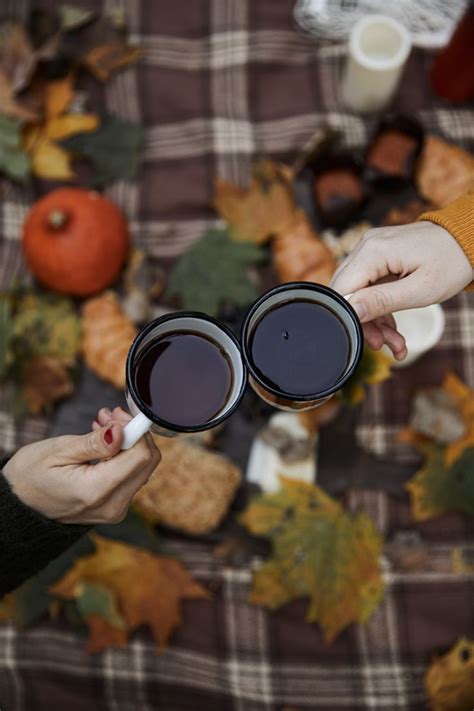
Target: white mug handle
[{"x": 135, "y": 429}]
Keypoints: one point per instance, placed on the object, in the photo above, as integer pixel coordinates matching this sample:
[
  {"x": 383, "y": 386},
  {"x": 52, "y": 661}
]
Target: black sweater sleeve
[{"x": 28, "y": 540}]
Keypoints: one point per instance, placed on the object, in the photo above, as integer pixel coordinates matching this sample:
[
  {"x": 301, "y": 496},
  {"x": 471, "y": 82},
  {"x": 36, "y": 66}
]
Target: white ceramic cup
[
  {"x": 422, "y": 329},
  {"x": 378, "y": 49}
]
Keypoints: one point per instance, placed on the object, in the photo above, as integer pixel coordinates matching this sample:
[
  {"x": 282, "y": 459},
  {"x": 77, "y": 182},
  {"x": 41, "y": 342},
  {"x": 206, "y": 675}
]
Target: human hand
[
  {"x": 397, "y": 268},
  {"x": 55, "y": 476}
]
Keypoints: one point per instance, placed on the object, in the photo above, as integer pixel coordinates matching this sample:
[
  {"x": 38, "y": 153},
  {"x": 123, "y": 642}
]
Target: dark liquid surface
[
  {"x": 300, "y": 348},
  {"x": 184, "y": 378}
]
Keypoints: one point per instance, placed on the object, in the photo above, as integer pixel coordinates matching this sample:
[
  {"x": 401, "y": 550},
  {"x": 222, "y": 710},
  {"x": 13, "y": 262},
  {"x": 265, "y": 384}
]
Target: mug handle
[{"x": 135, "y": 429}]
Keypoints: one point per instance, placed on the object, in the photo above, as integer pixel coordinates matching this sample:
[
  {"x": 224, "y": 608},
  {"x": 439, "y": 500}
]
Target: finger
[
  {"x": 120, "y": 415},
  {"x": 382, "y": 299},
  {"x": 394, "y": 340},
  {"x": 373, "y": 336},
  {"x": 101, "y": 443},
  {"x": 108, "y": 475},
  {"x": 103, "y": 416},
  {"x": 95, "y": 426}
]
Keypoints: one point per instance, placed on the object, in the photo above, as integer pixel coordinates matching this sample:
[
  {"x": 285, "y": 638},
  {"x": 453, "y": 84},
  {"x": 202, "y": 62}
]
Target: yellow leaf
[
  {"x": 374, "y": 368},
  {"x": 148, "y": 588},
  {"x": 437, "y": 488},
  {"x": 63, "y": 126},
  {"x": 463, "y": 396},
  {"x": 449, "y": 681},
  {"x": 48, "y": 159},
  {"x": 319, "y": 552},
  {"x": 58, "y": 96},
  {"x": 266, "y": 208}
]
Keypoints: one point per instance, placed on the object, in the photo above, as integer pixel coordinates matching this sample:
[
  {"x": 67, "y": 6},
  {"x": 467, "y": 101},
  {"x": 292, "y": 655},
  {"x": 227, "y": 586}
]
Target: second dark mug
[{"x": 337, "y": 360}]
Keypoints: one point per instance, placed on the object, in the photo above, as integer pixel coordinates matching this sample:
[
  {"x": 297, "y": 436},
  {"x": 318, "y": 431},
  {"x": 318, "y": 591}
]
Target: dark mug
[
  {"x": 191, "y": 323},
  {"x": 338, "y": 356}
]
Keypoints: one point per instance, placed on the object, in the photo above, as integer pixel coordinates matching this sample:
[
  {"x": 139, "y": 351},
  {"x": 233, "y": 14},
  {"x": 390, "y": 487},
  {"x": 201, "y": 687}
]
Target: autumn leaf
[
  {"x": 46, "y": 325},
  {"x": 48, "y": 159},
  {"x": 148, "y": 589},
  {"x": 73, "y": 17},
  {"x": 299, "y": 254},
  {"x": 45, "y": 381},
  {"x": 449, "y": 681},
  {"x": 266, "y": 208},
  {"x": 437, "y": 488},
  {"x": 214, "y": 272},
  {"x": 14, "y": 162},
  {"x": 114, "y": 149},
  {"x": 319, "y": 552},
  {"x": 374, "y": 368},
  {"x": 106, "y": 47},
  {"x": 31, "y": 602},
  {"x": 17, "y": 63},
  {"x": 97, "y": 606},
  {"x": 462, "y": 398}
]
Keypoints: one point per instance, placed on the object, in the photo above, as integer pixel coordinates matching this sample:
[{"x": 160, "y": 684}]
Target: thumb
[
  {"x": 101, "y": 444},
  {"x": 383, "y": 299}
]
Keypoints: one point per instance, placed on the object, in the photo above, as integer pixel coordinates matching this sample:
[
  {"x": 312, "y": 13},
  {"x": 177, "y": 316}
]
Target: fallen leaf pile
[
  {"x": 449, "y": 681},
  {"x": 215, "y": 272},
  {"x": 41, "y": 130},
  {"x": 445, "y": 481},
  {"x": 320, "y": 552}
]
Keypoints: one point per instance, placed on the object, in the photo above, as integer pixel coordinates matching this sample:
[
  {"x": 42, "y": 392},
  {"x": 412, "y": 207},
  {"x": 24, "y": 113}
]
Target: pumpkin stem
[{"x": 57, "y": 219}]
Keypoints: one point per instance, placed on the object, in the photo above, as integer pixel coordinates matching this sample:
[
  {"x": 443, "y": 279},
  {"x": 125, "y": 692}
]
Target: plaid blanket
[
  {"x": 231, "y": 656},
  {"x": 222, "y": 82}
]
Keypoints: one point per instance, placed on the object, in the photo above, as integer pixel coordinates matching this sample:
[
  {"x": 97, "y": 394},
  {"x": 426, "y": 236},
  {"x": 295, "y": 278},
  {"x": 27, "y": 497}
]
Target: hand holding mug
[{"x": 56, "y": 477}]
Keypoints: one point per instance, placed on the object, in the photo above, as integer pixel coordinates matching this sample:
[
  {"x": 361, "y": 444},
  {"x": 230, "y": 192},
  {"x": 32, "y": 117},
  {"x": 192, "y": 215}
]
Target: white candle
[{"x": 378, "y": 49}]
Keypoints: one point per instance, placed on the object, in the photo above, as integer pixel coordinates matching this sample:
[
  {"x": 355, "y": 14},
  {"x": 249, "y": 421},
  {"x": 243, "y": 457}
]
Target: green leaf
[
  {"x": 14, "y": 162},
  {"x": 437, "y": 489},
  {"x": 114, "y": 149},
  {"x": 214, "y": 272},
  {"x": 72, "y": 17},
  {"x": 5, "y": 334},
  {"x": 319, "y": 552},
  {"x": 96, "y": 599},
  {"x": 46, "y": 325}
]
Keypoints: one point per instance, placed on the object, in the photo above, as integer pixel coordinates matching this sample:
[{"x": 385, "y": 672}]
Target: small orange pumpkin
[{"x": 75, "y": 241}]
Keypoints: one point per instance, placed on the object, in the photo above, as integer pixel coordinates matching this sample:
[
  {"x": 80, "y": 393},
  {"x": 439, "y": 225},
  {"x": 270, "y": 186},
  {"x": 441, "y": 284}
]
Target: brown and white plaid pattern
[
  {"x": 231, "y": 656},
  {"x": 222, "y": 82}
]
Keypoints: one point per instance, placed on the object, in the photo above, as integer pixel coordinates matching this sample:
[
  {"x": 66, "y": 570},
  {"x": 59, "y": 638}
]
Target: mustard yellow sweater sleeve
[{"x": 458, "y": 219}]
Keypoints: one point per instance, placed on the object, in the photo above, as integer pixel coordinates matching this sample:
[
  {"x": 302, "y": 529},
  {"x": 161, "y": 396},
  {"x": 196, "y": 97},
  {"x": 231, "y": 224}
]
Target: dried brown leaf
[{"x": 45, "y": 380}]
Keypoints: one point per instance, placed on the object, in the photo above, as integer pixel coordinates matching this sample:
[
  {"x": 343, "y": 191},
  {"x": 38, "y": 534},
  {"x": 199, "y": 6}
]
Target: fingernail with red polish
[{"x": 108, "y": 436}]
